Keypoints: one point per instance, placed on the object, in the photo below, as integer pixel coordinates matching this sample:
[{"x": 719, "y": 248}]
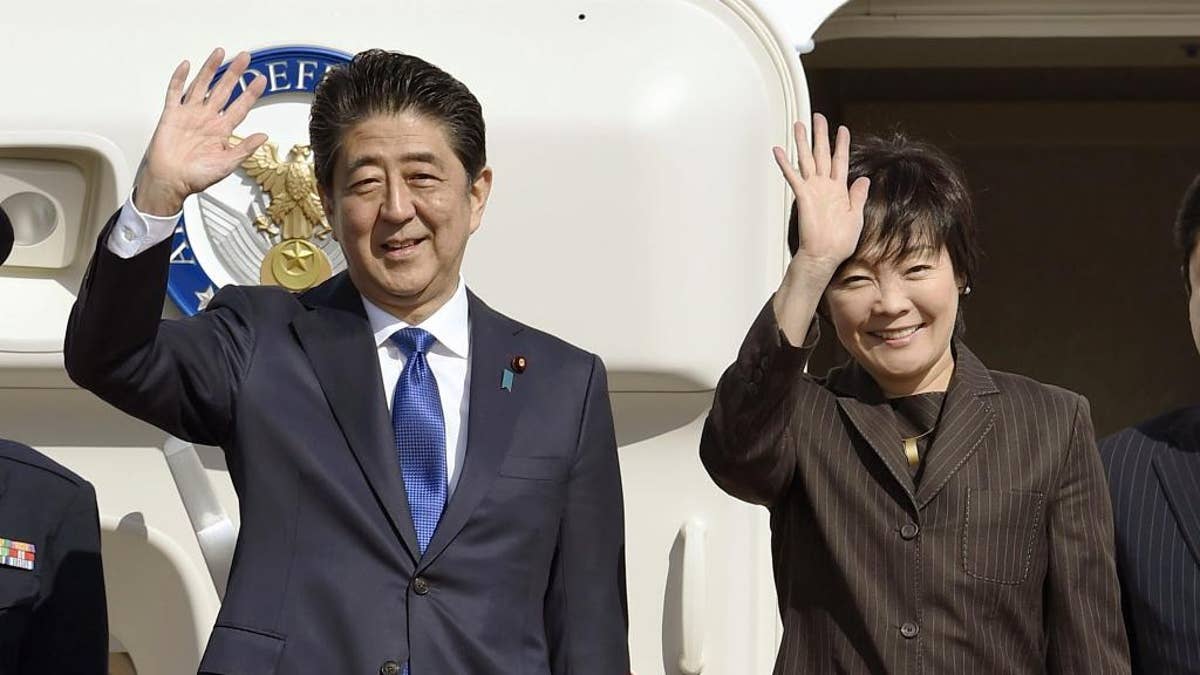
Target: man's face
[{"x": 402, "y": 207}]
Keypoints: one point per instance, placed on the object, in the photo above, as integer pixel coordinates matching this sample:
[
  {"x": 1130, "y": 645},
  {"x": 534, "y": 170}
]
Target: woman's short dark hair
[
  {"x": 918, "y": 198},
  {"x": 377, "y": 82},
  {"x": 1187, "y": 228}
]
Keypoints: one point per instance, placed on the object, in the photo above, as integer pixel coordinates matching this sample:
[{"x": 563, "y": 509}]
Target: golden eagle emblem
[
  {"x": 295, "y": 209},
  {"x": 294, "y": 215}
]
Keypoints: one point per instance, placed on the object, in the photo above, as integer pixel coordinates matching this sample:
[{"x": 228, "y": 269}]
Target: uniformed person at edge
[{"x": 53, "y": 617}]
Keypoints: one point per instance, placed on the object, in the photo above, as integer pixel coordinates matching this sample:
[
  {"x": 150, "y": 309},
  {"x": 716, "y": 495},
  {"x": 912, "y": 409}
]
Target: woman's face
[{"x": 896, "y": 318}]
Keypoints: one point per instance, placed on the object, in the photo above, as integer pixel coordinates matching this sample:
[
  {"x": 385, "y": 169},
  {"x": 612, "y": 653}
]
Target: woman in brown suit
[{"x": 928, "y": 515}]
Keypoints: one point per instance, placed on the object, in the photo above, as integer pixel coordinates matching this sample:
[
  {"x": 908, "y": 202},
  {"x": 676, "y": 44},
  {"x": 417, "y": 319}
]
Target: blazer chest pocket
[
  {"x": 553, "y": 469},
  {"x": 240, "y": 651},
  {"x": 1000, "y": 531}
]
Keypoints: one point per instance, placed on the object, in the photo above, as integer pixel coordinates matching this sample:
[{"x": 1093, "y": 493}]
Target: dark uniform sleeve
[{"x": 69, "y": 630}]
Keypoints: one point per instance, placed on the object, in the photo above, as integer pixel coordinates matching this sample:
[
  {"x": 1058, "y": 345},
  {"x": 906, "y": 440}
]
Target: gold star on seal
[{"x": 298, "y": 258}]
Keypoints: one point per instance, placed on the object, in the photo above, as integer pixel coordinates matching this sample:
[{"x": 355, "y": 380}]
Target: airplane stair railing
[
  {"x": 215, "y": 532},
  {"x": 695, "y": 597}
]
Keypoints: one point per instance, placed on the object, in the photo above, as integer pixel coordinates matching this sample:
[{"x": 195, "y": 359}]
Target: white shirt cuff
[{"x": 136, "y": 232}]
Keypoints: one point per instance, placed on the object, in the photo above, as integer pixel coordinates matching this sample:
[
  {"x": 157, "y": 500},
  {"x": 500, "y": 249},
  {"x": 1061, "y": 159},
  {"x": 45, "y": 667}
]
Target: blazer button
[
  {"x": 389, "y": 668},
  {"x": 910, "y": 630},
  {"x": 421, "y": 586},
  {"x": 909, "y": 531}
]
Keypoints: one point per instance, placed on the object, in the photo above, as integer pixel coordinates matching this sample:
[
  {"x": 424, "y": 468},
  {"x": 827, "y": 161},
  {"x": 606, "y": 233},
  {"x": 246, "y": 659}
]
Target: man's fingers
[
  {"x": 821, "y": 159},
  {"x": 804, "y": 151},
  {"x": 236, "y": 112},
  {"x": 220, "y": 92},
  {"x": 199, "y": 87},
  {"x": 236, "y": 154},
  {"x": 858, "y": 194},
  {"x": 175, "y": 86},
  {"x": 841, "y": 155},
  {"x": 242, "y": 150}
]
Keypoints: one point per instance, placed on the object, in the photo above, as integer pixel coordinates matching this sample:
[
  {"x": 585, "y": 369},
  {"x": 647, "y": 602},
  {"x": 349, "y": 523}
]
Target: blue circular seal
[{"x": 288, "y": 70}]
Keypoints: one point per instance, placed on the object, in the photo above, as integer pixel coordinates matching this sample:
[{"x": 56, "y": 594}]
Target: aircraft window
[{"x": 33, "y": 215}]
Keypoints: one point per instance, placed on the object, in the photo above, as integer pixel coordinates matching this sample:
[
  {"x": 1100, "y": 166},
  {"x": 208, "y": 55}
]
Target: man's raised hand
[{"x": 192, "y": 147}]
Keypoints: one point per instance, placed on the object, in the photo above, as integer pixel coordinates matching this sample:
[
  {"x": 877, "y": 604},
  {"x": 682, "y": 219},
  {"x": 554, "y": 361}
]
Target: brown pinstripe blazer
[{"x": 999, "y": 561}]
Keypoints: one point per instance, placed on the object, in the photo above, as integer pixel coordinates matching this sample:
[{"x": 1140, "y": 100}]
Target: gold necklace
[{"x": 910, "y": 447}]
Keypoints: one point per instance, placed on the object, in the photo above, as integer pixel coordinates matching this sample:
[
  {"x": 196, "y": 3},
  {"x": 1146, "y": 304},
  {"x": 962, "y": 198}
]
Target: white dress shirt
[
  {"x": 449, "y": 358},
  {"x": 136, "y": 231}
]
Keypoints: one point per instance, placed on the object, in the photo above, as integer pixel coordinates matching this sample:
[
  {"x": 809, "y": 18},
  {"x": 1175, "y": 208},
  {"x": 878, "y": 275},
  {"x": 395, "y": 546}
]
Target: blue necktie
[{"x": 420, "y": 433}]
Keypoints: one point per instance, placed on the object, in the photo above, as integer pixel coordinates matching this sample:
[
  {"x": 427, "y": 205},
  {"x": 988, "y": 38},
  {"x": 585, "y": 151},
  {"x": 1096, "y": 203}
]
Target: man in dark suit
[
  {"x": 475, "y": 528},
  {"x": 1154, "y": 475},
  {"x": 53, "y": 617}
]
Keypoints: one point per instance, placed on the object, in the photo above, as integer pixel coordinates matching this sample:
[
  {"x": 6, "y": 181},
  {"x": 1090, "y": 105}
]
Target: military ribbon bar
[{"x": 17, "y": 554}]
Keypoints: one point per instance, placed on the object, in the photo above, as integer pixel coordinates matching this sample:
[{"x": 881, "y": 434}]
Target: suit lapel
[
  {"x": 868, "y": 410},
  {"x": 967, "y": 421},
  {"x": 337, "y": 339},
  {"x": 1178, "y": 469},
  {"x": 490, "y": 420}
]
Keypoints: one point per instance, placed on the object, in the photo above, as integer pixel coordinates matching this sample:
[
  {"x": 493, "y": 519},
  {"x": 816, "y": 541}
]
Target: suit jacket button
[
  {"x": 910, "y": 630},
  {"x": 389, "y": 668},
  {"x": 421, "y": 586},
  {"x": 909, "y": 531}
]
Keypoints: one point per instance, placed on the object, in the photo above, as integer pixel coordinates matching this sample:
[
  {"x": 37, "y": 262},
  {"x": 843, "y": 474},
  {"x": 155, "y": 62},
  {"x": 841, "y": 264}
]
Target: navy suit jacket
[
  {"x": 525, "y": 573},
  {"x": 1154, "y": 473},
  {"x": 53, "y": 618}
]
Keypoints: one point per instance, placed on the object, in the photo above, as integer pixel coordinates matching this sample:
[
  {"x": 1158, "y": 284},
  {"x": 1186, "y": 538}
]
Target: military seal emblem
[{"x": 263, "y": 224}]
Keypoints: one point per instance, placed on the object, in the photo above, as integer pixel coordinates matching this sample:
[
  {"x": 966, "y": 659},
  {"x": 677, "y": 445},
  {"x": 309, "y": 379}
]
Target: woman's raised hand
[
  {"x": 830, "y": 216},
  {"x": 830, "y": 212}
]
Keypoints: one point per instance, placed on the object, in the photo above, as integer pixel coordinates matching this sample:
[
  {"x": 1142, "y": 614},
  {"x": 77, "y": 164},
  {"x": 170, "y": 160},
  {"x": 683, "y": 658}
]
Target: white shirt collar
[{"x": 448, "y": 325}]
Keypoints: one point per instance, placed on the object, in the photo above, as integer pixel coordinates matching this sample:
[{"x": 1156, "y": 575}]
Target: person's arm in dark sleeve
[
  {"x": 747, "y": 445},
  {"x": 180, "y": 375},
  {"x": 1084, "y": 628}
]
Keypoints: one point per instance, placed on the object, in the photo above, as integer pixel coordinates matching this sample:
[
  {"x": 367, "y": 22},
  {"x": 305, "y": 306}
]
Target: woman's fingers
[
  {"x": 841, "y": 155},
  {"x": 858, "y": 194},
  {"x": 785, "y": 166},
  {"x": 821, "y": 154},
  {"x": 804, "y": 150}
]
